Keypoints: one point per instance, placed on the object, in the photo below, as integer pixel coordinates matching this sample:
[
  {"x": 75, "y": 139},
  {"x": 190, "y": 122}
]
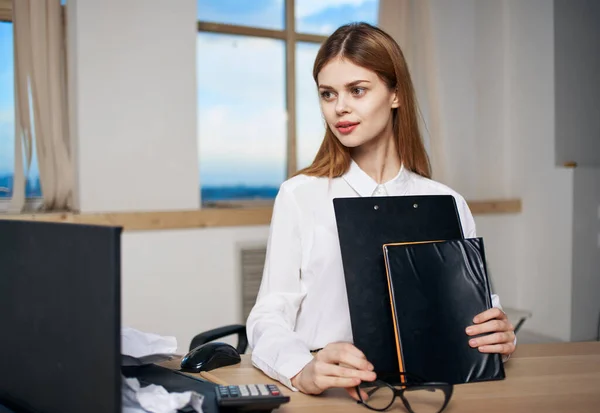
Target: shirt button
[{"x": 380, "y": 190}]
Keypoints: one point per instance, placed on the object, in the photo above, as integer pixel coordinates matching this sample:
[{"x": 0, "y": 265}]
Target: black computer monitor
[{"x": 60, "y": 317}]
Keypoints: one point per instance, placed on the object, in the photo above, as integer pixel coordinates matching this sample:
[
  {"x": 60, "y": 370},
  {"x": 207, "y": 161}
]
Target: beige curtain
[
  {"x": 409, "y": 22},
  {"x": 41, "y": 103}
]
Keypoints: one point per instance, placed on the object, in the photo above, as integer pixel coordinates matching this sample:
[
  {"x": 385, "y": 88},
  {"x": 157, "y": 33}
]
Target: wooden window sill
[{"x": 213, "y": 217}]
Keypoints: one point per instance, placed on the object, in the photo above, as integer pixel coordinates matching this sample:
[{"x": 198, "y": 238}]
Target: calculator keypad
[{"x": 248, "y": 390}]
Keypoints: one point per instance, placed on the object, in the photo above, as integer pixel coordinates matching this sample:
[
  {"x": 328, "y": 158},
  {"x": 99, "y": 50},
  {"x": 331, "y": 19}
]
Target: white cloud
[
  {"x": 238, "y": 68},
  {"x": 7, "y": 116},
  {"x": 309, "y": 121},
  {"x": 231, "y": 136},
  {"x": 307, "y": 7},
  {"x": 241, "y": 115}
]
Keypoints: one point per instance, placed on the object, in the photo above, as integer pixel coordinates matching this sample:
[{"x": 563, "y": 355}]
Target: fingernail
[
  {"x": 473, "y": 342},
  {"x": 469, "y": 330},
  {"x": 371, "y": 367},
  {"x": 476, "y": 320}
]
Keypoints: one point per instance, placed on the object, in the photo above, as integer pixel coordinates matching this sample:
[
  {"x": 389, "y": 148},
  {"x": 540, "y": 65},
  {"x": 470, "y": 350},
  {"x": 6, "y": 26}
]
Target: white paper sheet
[{"x": 139, "y": 348}]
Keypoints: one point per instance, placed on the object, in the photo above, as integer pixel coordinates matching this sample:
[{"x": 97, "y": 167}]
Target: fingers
[
  {"x": 496, "y": 338},
  {"x": 504, "y": 348},
  {"x": 327, "y": 382},
  {"x": 492, "y": 321},
  {"x": 344, "y": 348},
  {"x": 352, "y": 392},
  {"x": 490, "y": 314},
  {"x": 490, "y": 326},
  {"x": 332, "y": 370},
  {"x": 344, "y": 353}
]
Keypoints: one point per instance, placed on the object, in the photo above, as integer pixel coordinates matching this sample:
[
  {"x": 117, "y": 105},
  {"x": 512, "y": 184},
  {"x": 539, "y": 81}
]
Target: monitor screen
[{"x": 60, "y": 317}]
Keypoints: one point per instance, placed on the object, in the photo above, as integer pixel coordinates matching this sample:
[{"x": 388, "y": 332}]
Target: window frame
[
  {"x": 32, "y": 204},
  {"x": 289, "y": 35}
]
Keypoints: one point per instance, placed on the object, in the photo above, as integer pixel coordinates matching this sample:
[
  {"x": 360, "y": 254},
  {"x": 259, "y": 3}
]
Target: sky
[
  {"x": 7, "y": 115},
  {"x": 241, "y": 104},
  {"x": 241, "y": 100}
]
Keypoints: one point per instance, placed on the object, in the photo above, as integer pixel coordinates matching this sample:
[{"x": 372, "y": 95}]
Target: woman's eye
[
  {"x": 326, "y": 95},
  {"x": 358, "y": 91}
]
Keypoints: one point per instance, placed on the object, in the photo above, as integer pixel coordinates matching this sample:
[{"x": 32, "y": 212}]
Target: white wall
[
  {"x": 585, "y": 314},
  {"x": 496, "y": 68},
  {"x": 132, "y": 75},
  {"x": 544, "y": 229},
  {"x": 132, "y": 67},
  {"x": 184, "y": 282}
]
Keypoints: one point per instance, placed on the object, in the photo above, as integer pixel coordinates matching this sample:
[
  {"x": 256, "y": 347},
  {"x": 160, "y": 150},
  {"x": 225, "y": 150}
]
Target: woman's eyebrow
[{"x": 347, "y": 85}]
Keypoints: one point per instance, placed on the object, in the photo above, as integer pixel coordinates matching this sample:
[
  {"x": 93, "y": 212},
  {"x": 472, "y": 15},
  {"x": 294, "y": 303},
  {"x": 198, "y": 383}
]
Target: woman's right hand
[{"x": 336, "y": 365}]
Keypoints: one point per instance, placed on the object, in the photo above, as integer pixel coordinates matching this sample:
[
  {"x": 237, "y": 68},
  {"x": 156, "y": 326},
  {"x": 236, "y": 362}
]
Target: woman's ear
[{"x": 396, "y": 100}]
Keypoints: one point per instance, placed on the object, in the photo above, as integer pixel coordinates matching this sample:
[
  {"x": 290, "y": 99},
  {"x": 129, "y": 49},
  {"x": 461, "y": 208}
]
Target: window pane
[
  {"x": 266, "y": 14},
  {"x": 324, "y": 16},
  {"x": 310, "y": 126},
  {"x": 7, "y": 112},
  {"x": 7, "y": 121},
  {"x": 241, "y": 117}
]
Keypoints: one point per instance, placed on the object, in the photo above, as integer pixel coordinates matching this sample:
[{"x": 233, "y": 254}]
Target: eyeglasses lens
[{"x": 425, "y": 400}]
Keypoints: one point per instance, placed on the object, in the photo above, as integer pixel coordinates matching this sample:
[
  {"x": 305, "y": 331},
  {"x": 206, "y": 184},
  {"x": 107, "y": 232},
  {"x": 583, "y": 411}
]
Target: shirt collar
[{"x": 364, "y": 185}]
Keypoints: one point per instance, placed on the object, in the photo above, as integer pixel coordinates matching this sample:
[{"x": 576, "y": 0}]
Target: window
[
  {"x": 7, "y": 122},
  {"x": 258, "y": 117}
]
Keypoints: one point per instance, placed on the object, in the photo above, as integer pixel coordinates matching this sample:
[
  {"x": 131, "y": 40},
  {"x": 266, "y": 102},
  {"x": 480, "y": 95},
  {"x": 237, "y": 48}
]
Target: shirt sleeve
[
  {"x": 470, "y": 231},
  {"x": 277, "y": 349}
]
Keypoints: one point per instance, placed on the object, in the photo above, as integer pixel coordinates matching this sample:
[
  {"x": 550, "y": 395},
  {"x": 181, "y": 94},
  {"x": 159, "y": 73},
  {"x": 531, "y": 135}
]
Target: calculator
[{"x": 250, "y": 397}]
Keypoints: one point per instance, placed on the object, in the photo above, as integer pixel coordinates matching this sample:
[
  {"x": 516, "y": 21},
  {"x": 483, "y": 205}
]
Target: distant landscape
[
  {"x": 238, "y": 192},
  {"x": 209, "y": 193},
  {"x": 32, "y": 188}
]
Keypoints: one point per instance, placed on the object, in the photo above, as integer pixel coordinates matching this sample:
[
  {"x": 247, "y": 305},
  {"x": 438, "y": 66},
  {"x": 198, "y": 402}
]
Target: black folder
[
  {"x": 436, "y": 288},
  {"x": 364, "y": 226}
]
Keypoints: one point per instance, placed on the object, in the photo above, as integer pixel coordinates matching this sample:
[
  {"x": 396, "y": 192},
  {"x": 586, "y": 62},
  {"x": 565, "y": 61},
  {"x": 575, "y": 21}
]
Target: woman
[{"x": 372, "y": 147}]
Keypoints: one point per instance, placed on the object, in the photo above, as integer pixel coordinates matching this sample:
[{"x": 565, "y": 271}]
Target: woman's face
[{"x": 356, "y": 104}]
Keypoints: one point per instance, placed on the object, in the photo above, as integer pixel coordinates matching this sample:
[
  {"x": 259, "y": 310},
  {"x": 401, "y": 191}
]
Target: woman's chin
[{"x": 350, "y": 141}]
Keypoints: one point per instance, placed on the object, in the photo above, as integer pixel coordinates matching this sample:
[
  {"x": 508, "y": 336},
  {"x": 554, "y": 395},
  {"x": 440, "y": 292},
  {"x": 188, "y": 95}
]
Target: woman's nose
[{"x": 341, "y": 106}]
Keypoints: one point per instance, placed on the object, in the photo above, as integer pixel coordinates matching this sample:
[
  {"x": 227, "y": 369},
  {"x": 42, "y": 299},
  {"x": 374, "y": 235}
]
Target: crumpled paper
[
  {"x": 155, "y": 399},
  {"x": 139, "y": 348}
]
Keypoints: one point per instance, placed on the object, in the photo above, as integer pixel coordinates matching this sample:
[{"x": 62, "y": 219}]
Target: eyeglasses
[{"x": 417, "y": 395}]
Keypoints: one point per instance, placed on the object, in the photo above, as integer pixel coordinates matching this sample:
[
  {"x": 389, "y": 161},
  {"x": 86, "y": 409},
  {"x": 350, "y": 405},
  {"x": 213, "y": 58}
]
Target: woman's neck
[{"x": 378, "y": 158}]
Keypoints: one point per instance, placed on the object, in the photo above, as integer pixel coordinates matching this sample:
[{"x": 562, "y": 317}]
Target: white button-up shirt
[{"x": 302, "y": 303}]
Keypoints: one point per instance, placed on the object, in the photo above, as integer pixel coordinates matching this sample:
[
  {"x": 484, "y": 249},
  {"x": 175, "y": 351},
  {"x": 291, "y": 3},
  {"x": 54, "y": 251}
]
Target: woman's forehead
[{"x": 340, "y": 71}]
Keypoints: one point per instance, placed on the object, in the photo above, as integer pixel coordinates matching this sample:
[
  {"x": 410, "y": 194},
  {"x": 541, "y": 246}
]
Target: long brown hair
[{"x": 370, "y": 47}]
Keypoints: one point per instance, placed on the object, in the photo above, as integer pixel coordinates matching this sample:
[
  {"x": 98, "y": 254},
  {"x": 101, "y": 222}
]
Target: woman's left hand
[{"x": 501, "y": 337}]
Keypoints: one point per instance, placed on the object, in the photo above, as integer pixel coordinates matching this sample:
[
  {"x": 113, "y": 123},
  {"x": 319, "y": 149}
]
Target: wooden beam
[
  {"x": 6, "y": 10},
  {"x": 310, "y": 38},
  {"x": 290, "y": 89},
  {"x": 212, "y": 217},
  {"x": 223, "y": 28},
  {"x": 498, "y": 206}
]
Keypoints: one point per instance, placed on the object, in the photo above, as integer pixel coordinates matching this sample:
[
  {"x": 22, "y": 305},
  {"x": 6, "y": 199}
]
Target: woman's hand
[
  {"x": 337, "y": 365},
  {"x": 502, "y": 339}
]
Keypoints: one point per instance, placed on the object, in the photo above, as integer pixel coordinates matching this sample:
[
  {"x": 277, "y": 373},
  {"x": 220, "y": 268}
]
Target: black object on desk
[
  {"x": 364, "y": 226},
  {"x": 251, "y": 397},
  {"x": 60, "y": 317},
  {"x": 436, "y": 290},
  {"x": 240, "y": 398},
  {"x": 174, "y": 381},
  {"x": 210, "y": 356}
]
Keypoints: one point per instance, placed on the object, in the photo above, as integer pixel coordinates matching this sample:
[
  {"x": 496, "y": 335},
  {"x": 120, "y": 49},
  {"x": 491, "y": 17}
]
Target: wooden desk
[{"x": 557, "y": 377}]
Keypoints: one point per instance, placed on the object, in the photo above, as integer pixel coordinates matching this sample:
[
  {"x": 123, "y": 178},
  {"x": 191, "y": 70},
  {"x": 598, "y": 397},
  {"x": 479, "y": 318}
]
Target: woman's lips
[{"x": 346, "y": 128}]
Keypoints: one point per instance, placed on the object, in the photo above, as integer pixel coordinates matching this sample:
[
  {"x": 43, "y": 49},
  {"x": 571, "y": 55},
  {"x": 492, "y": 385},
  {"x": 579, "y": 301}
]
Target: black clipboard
[{"x": 364, "y": 225}]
